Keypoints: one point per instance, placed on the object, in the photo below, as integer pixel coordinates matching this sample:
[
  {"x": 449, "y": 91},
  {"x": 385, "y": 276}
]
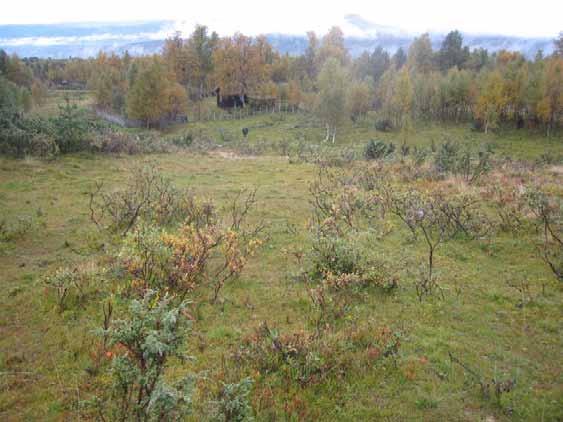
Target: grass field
[{"x": 495, "y": 329}]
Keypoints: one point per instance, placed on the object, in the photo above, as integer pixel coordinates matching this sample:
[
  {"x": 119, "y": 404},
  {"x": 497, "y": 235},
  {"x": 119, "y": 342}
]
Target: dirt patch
[
  {"x": 556, "y": 169},
  {"x": 229, "y": 155}
]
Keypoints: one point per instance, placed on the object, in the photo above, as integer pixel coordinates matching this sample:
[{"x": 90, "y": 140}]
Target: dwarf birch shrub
[
  {"x": 147, "y": 195},
  {"x": 548, "y": 216}
]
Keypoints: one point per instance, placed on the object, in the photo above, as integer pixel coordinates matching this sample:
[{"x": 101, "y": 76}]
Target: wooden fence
[
  {"x": 240, "y": 113},
  {"x": 202, "y": 115}
]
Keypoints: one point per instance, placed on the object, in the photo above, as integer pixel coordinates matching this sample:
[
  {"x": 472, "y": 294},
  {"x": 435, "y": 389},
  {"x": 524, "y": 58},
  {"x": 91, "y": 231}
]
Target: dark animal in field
[
  {"x": 245, "y": 132},
  {"x": 230, "y": 101},
  {"x": 520, "y": 122}
]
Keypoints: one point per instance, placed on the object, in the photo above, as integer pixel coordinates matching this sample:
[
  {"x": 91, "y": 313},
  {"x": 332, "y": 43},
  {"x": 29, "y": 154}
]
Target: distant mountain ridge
[{"x": 138, "y": 38}]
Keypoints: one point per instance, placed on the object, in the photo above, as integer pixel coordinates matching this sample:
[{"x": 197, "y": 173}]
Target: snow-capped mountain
[{"x": 138, "y": 38}]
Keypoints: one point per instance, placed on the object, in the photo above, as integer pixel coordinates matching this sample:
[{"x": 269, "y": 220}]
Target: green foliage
[
  {"x": 447, "y": 157},
  {"x": 184, "y": 140},
  {"x": 452, "y": 53},
  {"x": 153, "y": 96},
  {"x": 383, "y": 125},
  {"x": 145, "y": 253},
  {"x": 14, "y": 140},
  {"x": 376, "y": 150},
  {"x": 76, "y": 280},
  {"x": 450, "y": 158},
  {"x": 332, "y": 96},
  {"x": 335, "y": 255},
  {"x": 70, "y": 128},
  {"x": 67, "y": 132},
  {"x": 142, "y": 344},
  {"x": 232, "y": 404},
  {"x": 13, "y": 230}
]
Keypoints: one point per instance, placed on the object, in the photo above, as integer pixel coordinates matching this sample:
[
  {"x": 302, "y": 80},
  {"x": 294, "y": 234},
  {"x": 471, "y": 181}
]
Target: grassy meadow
[{"x": 499, "y": 312}]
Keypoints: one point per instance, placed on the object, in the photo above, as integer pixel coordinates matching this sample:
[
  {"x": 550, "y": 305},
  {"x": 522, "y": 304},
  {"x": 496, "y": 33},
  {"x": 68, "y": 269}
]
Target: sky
[{"x": 542, "y": 18}]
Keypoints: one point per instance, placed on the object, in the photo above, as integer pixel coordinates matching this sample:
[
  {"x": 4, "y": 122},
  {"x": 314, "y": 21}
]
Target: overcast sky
[{"x": 509, "y": 17}]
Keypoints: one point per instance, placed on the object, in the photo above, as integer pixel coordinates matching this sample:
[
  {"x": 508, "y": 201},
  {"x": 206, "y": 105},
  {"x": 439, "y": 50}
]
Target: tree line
[{"x": 451, "y": 84}]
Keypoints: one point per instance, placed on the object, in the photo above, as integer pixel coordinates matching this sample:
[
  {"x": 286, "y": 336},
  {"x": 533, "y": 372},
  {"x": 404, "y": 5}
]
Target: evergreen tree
[{"x": 452, "y": 52}]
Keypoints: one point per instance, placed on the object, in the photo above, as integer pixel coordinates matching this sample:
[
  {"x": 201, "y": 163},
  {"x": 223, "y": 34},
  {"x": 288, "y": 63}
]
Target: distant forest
[{"x": 449, "y": 84}]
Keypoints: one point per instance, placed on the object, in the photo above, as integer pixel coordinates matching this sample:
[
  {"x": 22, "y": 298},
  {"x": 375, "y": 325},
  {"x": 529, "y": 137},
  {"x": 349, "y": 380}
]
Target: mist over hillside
[{"x": 139, "y": 38}]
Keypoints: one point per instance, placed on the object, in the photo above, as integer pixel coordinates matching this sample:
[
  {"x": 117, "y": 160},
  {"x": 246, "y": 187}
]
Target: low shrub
[
  {"x": 205, "y": 249},
  {"x": 114, "y": 142},
  {"x": 12, "y": 230},
  {"x": 73, "y": 281},
  {"x": 297, "y": 354},
  {"x": 140, "y": 346},
  {"x": 384, "y": 125},
  {"x": 334, "y": 255},
  {"x": 548, "y": 216},
  {"x": 232, "y": 402},
  {"x": 376, "y": 150},
  {"x": 182, "y": 261},
  {"x": 147, "y": 195},
  {"x": 450, "y": 158},
  {"x": 508, "y": 204},
  {"x": 437, "y": 218}
]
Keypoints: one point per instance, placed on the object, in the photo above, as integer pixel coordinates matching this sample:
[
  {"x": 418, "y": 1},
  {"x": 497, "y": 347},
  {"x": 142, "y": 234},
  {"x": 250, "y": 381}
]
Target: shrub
[
  {"x": 506, "y": 200},
  {"x": 405, "y": 150},
  {"x": 472, "y": 168},
  {"x": 451, "y": 159},
  {"x": 184, "y": 140},
  {"x": 114, "y": 142},
  {"x": 14, "y": 139},
  {"x": 379, "y": 342},
  {"x": 64, "y": 281},
  {"x": 420, "y": 155},
  {"x": 332, "y": 296},
  {"x": 495, "y": 386},
  {"x": 225, "y": 136},
  {"x": 70, "y": 128},
  {"x": 383, "y": 125},
  {"x": 342, "y": 203},
  {"x": 146, "y": 257},
  {"x": 329, "y": 305},
  {"x": 437, "y": 219},
  {"x": 148, "y": 195},
  {"x": 182, "y": 260},
  {"x": 12, "y": 230},
  {"x": 335, "y": 255},
  {"x": 232, "y": 403},
  {"x": 140, "y": 347},
  {"x": 43, "y": 146},
  {"x": 296, "y": 354},
  {"x": 548, "y": 215},
  {"x": 376, "y": 150},
  {"x": 446, "y": 157}
]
